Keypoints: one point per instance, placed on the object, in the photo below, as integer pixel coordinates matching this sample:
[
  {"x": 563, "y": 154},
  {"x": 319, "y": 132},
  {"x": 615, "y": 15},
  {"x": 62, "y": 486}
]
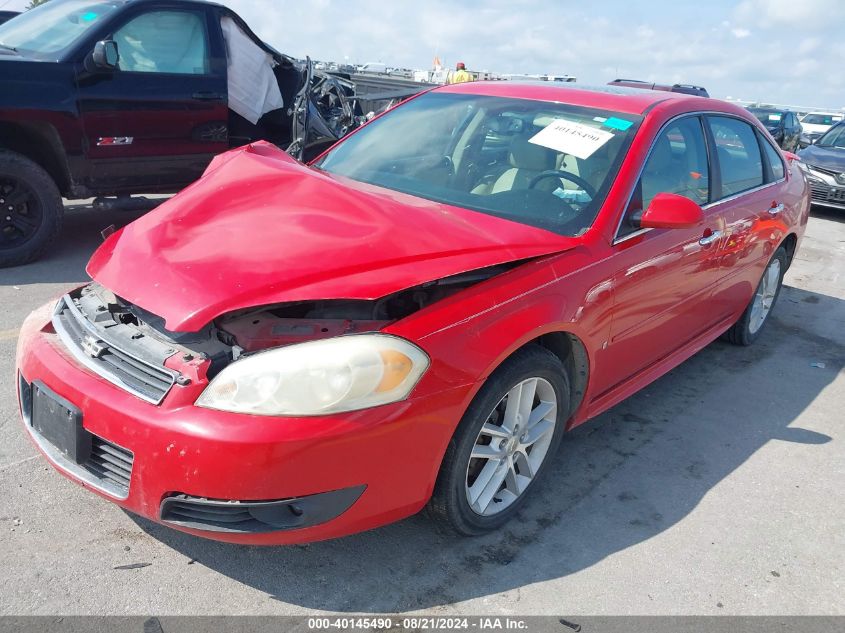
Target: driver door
[{"x": 159, "y": 117}]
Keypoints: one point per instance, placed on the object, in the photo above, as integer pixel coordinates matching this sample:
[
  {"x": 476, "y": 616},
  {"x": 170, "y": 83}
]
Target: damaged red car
[{"x": 284, "y": 353}]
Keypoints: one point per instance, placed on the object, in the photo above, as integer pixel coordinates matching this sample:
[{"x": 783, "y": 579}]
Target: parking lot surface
[{"x": 716, "y": 490}]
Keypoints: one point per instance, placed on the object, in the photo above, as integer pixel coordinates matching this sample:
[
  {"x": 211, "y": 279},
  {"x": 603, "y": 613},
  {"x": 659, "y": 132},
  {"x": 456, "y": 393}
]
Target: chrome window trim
[
  {"x": 698, "y": 113},
  {"x": 734, "y": 196},
  {"x": 629, "y": 236},
  {"x": 88, "y": 362}
]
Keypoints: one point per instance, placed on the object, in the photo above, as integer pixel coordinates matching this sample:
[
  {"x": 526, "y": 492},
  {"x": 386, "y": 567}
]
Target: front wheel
[
  {"x": 30, "y": 210},
  {"x": 504, "y": 441},
  {"x": 750, "y": 324}
]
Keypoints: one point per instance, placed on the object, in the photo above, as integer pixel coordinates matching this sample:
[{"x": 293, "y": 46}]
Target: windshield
[
  {"x": 52, "y": 26},
  {"x": 548, "y": 165},
  {"x": 821, "y": 119},
  {"x": 834, "y": 137},
  {"x": 769, "y": 118}
]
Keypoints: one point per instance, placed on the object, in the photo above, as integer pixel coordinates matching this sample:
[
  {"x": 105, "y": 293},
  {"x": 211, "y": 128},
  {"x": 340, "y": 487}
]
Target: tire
[
  {"x": 31, "y": 210},
  {"x": 749, "y": 326},
  {"x": 460, "y": 475}
]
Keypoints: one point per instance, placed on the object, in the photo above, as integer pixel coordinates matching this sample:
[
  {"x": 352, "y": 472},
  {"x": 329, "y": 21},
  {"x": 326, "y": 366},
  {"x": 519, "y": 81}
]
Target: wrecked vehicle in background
[{"x": 137, "y": 96}]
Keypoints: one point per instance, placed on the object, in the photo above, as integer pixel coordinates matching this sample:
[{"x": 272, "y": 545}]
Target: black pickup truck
[{"x": 110, "y": 98}]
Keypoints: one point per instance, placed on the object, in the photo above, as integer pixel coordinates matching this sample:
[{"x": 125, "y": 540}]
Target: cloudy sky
[{"x": 782, "y": 51}]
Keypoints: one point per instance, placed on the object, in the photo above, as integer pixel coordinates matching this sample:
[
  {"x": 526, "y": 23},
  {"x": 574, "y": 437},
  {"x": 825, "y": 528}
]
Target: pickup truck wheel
[{"x": 30, "y": 210}]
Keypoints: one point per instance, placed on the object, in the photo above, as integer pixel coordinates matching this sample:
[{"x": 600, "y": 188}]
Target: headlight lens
[{"x": 346, "y": 373}]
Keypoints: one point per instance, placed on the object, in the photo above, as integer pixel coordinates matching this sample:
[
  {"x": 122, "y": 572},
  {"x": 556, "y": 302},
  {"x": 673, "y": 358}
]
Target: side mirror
[
  {"x": 105, "y": 55},
  {"x": 671, "y": 211}
]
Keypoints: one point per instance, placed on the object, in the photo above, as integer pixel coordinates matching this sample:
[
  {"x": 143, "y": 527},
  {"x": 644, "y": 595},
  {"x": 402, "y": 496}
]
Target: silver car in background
[{"x": 824, "y": 164}]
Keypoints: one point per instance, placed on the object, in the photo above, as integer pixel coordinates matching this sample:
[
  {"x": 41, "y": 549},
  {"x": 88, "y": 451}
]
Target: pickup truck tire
[{"x": 30, "y": 209}]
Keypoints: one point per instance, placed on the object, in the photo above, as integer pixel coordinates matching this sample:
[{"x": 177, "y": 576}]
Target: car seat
[{"x": 526, "y": 161}]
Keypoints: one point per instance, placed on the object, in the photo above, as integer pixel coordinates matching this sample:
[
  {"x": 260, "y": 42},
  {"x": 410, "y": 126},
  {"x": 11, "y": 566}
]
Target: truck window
[
  {"x": 164, "y": 42},
  {"x": 53, "y": 26}
]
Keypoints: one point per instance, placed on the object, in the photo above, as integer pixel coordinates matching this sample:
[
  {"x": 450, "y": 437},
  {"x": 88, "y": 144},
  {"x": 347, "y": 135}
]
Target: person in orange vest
[{"x": 460, "y": 75}]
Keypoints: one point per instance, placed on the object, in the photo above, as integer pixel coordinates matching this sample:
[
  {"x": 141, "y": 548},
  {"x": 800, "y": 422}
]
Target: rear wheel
[
  {"x": 503, "y": 443},
  {"x": 750, "y": 324},
  {"x": 30, "y": 209}
]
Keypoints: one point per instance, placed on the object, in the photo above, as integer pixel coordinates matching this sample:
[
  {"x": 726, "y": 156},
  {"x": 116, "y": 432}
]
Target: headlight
[{"x": 319, "y": 377}]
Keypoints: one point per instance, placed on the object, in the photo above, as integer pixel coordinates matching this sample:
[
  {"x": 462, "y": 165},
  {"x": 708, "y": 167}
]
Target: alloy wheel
[
  {"x": 764, "y": 299},
  {"x": 511, "y": 446}
]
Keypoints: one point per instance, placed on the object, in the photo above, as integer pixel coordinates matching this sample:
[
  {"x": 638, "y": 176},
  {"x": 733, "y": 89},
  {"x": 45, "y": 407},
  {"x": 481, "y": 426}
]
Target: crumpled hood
[{"x": 260, "y": 228}]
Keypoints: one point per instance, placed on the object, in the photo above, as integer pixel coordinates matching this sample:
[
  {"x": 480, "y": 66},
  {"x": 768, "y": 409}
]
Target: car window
[
  {"x": 834, "y": 137},
  {"x": 774, "y": 158},
  {"x": 740, "y": 162},
  {"x": 164, "y": 42},
  {"x": 544, "y": 164},
  {"x": 821, "y": 119},
  {"x": 676, "y": 164}
]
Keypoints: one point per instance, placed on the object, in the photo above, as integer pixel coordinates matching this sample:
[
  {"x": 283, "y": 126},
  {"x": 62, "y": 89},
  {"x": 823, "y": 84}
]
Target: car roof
[
  {"x": 617, "y": 98},
  {"x": 187, "y": 2}
]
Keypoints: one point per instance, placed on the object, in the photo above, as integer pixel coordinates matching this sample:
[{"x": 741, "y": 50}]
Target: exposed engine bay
[{"x": 228, "y": 337}]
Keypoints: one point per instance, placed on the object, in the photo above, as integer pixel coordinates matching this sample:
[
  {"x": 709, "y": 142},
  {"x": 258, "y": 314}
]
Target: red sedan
[{"x": 284, "y": 353}]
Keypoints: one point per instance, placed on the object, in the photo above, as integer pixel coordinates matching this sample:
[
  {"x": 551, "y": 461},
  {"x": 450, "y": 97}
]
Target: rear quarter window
[{"x": 774, "y": 159}]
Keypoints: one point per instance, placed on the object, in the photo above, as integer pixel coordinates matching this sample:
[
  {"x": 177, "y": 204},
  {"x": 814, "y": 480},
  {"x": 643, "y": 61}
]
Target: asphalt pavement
[{"x": 719, "y": 489}]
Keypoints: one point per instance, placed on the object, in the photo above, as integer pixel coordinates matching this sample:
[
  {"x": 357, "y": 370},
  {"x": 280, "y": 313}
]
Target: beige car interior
[{"x": 527, "y": 160}]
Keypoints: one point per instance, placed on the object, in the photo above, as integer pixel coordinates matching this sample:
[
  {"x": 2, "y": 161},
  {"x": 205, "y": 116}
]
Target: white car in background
[{"x": 814, "y": 124}]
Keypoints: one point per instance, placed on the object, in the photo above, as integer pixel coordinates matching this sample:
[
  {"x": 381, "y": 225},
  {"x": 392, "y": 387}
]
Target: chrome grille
[
  {"x": 821, "y": 192},
  {"x": 105, "y": 358}
]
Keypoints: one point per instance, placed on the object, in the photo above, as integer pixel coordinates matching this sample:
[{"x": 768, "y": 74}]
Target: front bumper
[
  {"x": 386, "y": 458},
  {"x": 826, "y": 194}
]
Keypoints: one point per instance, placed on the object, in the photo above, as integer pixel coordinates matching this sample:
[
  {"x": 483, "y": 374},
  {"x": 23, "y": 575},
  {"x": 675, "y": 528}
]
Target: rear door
[
  {"x": 662, "y": 287},
  {"x": 749, "y": 175},
  {"x": 157, "y": 120}
]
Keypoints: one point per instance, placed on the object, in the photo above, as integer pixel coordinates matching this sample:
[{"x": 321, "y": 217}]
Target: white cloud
[{"x": 740, "y": 33}]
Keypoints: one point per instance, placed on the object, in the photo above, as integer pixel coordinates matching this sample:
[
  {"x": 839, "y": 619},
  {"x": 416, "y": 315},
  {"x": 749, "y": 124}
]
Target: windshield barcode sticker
[{"x": 575, "y": 139}]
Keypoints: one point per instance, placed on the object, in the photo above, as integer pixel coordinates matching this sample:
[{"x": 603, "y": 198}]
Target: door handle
[
  {"x": 709, "y": 239},
  {"x": 207, "y": 96},
  {"x": 775, "y": 208}
]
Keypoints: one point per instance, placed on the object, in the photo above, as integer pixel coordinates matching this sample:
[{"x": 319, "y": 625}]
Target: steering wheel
[{"x": 556, "y": 173}]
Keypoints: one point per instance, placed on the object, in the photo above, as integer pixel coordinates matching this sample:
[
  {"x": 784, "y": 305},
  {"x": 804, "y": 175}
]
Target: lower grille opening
[
  {"x": 109, "y": 462},
  {"x": 257, "y": 516},
  {"x": 107, "y": 466}
]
